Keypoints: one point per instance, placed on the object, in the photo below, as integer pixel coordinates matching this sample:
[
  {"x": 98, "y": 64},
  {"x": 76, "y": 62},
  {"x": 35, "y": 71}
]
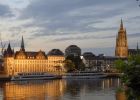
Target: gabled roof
[{"x": 30, "y": 54}]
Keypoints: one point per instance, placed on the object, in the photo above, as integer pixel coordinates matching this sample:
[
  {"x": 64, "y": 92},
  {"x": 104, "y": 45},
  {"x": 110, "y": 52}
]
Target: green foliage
[
  {"x": 120, "y": 89},
  {"x": 77, "y": 61},
  {"x": 131, "y": 74},
  {"x": 69, "y": 65},
  {"x": 136, "y": 59},
  {"x": 120, "y": 65}
]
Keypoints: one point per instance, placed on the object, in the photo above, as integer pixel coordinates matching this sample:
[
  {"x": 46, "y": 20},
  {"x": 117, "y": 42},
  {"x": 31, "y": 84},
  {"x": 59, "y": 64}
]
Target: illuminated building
[
  {"x": 23, "y": 61},
  {"x": 121, "y": 43}
]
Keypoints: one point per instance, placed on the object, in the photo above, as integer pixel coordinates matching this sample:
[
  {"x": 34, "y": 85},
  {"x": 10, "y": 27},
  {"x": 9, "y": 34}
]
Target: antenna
[{"x": 2, "y": 46}]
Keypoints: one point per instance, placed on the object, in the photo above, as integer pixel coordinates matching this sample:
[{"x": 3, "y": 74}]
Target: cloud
[
  {"x": 134, "y": 35},
  {"x": 67, "y": 20},
  {"x": 109, "y": 51},
  {"x": 13, "y": 43},
  {"x": 89, "y": 31},
  {"x": 64, "y": 17},
  {"x": 5, "y": 11},
  {"x": 134, "y": 18},
  {"x": 85, "y": 37},
  {"x": 48, "y": 8}
]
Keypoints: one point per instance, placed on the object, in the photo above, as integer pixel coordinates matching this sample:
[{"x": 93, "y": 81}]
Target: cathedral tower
[{"x": 121, "y": 49}]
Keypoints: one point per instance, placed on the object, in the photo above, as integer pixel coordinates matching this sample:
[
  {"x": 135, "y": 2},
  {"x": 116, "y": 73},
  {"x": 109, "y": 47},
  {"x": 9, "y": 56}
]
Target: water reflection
[
  {"x": 34, "y": 90},
  {"x": 92, "y": 89},
  {"x": 101, "y": 89}
]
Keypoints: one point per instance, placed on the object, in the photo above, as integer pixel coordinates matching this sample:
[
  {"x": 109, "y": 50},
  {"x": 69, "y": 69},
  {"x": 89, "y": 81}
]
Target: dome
[
  {"x": 73, "y": 50},
  {"x": 73, "y": 47},
  {"x": 56, "y": 52}
]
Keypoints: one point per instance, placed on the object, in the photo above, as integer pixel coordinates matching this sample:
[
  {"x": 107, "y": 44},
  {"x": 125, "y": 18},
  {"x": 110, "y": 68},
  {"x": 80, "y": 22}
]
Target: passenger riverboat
[
  {"x": 34, "y": 76},
  {"x": 85, "y": 75}
]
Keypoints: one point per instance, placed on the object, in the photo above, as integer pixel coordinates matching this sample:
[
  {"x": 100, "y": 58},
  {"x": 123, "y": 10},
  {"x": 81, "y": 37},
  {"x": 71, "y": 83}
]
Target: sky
[{"x": 90, "y": 24}]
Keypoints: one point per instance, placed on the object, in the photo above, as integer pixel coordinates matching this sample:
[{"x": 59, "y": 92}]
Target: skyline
[{"x": 46, "y": 24}]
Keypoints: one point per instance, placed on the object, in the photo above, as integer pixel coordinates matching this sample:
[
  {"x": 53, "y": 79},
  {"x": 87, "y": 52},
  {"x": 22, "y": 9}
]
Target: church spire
[
  {"x": 121, "y": 25},
  {"x": 9, "y": 47},
  {"x": 9, "y": 52},
  {"x": 22, "y": 45},
  {"x": 121, "y": 49}
]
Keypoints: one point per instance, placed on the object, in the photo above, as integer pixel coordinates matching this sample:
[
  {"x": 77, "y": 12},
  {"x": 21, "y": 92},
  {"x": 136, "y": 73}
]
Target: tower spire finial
[
  {"x": 22, "y": 45},
  {"x": 121, "y": 26},
  {"x": 9, "y": 50}
]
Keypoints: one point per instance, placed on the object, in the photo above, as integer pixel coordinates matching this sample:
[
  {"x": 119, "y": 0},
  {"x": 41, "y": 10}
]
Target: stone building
[
  {"x": 88, "y": 59},
  {"x": 23, "y": 61},
  {"x": 121, "y": 49},
  {"x": 56, "y": 59},
  {"x": 73, "y": 50},
  {"x": 99, "y": 63},
  {"x": 134, "y": 51}
]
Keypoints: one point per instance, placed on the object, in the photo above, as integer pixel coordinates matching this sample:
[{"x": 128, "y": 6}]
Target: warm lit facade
[
  {"x": 121, "y": 43},
  {"x": 31, "y": 62}
]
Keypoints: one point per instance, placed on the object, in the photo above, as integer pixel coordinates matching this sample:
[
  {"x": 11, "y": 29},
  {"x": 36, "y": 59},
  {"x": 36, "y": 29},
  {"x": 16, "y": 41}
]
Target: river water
[{"x": 95, "y": 89}]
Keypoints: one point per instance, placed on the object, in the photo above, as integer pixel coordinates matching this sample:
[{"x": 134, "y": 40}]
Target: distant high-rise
[{"x": 121, "y": 49}]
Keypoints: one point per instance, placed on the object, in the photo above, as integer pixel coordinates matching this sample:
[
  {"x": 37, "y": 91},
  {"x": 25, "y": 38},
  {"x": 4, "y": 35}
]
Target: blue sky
[{"x": 48, "y": 24}]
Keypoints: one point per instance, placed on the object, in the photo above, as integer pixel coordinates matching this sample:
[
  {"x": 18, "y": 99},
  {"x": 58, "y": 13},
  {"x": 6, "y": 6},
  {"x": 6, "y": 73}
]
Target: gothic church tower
[
  {"x": 121, "y": 49},
  {"x": 22, "y": 45}
]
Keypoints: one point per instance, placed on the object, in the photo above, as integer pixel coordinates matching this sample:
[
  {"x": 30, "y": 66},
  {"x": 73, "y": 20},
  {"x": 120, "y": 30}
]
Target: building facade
[
  {"x": 99, "y": 63},
  {"x": 73, "y": 50},
  {"x": 134, "y": 51},
  {"x": 56, "y": 60},
  {"x": 88, "y": 59},
  {"x": 23, "y": 61},
  {"x": 121, "y": 49}
]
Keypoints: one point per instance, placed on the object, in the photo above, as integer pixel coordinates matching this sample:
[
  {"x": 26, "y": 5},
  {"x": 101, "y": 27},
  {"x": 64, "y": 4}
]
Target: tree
[
  {"x": 69, "y": 65},
  {"x": 76, "y": 60},
  {"x": 131, "y": 75}
]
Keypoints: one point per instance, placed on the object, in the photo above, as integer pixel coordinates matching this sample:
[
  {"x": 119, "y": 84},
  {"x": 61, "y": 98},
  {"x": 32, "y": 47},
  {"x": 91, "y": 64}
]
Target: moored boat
[
  {"x": 34, "y": 76},
  {"x": 84, "y": 75}
]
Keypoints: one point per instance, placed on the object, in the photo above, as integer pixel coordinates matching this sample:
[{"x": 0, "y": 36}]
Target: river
[{"x": 95, "y": 89}]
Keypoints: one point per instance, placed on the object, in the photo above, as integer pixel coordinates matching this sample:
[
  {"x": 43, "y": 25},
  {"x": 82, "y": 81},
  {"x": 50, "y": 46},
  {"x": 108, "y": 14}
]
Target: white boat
[
  {"x": 34, "y": 76},
  {"x": 84, "y": 75}
]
